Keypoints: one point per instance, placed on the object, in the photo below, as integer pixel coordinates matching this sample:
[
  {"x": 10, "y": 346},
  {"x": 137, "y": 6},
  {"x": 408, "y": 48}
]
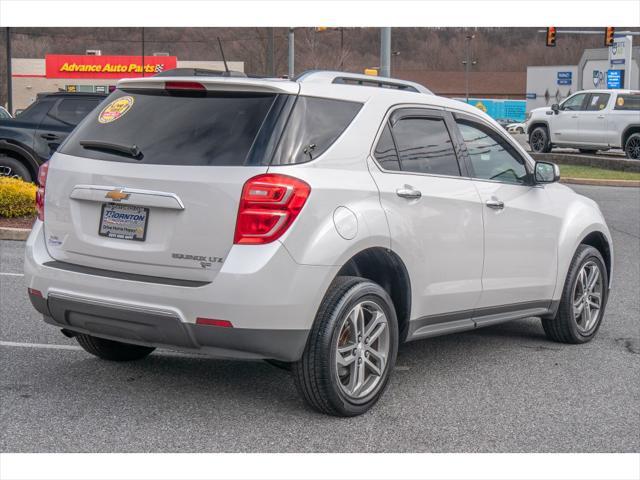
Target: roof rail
[{"x": 324, "y": 76}]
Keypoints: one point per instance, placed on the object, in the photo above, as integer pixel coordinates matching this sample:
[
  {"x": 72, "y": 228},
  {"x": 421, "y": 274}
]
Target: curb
[
  {"x": 601, "y": 182},
  {"x": 9, "y": 233},
  {"x": 621, "y": 164}
]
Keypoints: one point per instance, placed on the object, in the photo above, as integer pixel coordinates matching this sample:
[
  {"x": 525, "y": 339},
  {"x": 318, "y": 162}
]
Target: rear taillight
[
  {"x": 268, "y": 206},
  {"x": 42, "y": 183},
  {"x": 184, "y": 86}
]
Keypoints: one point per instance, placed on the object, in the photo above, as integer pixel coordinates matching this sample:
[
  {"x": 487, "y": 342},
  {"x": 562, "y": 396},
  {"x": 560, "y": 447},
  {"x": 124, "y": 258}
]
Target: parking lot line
[{"x": 8, "y": 274}]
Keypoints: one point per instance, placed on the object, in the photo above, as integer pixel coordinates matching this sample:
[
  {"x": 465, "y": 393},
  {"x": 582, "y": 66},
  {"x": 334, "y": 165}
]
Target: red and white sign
[{"x": 106, "y": 66}]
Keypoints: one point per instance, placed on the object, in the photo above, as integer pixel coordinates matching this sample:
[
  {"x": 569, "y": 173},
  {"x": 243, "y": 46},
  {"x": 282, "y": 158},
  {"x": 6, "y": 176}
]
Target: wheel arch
[
  {"x": 535, "y": 124},
  {"x": 20, "y": 153},
  {"x": 599, "y": 241},
  {"x": 384, "y": 267}
]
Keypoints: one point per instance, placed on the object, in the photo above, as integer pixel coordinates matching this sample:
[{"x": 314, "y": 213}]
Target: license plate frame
[{"x": 134, "y": 236}]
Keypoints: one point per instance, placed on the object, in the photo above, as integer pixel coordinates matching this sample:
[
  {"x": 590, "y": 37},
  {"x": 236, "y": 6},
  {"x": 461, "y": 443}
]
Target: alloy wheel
[
  {"x": 587, "y": 297},
  {"x": 537, "y": 141},
  {"x": 633, "y": 148},
  {"x": 362, "y": 350}
]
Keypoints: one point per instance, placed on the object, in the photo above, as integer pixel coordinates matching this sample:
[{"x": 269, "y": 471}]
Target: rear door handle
[
  {"x": 408, "y": 192},
  {"x": 50, "y": 136},
  {"x": 495, "y": 204},
  {"x": 600, "y": 116}
]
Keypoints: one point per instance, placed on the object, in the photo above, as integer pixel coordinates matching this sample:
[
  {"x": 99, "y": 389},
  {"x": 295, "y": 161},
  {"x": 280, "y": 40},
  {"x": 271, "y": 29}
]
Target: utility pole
[
  {"x": 291, "y": 55},
  {"x": 9, "y": 74},
  {"x": 143, "y": 51},
  {"x": 385, "y": 52},
  {"x": 271, "y": 46},
  {"x": 468, "y": 62}
]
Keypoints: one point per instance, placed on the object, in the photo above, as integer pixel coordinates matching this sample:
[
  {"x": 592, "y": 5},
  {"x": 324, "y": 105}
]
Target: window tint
[
  {"x": 73, "y": 110},
  {"x": 36, "y": 111},
  {"x": 574, "y": 103},
  {"x": 4, "y": 114},
  {"x": 313, "y": 126},
  {"x": 424, "y": 146},
  {"x": 627, "y": 102},
  {"x": 385, "y": 152},
  {"x": 177, "y": 128},
  {"x": 490, "y": 156},
  {"x": 598, "y": 101}
]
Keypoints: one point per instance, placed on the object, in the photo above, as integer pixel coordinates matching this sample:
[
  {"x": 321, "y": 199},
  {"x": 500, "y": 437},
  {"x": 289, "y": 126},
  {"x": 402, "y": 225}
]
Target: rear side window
[
  {"x": 313, "y": 126},
  {"x": 385, "y": 152},
  {"x": 173, "y": 128},
  {"x": 627, "y": 102},
  {"x": 424, "y": 146},
  {"x": 73, "y": 110},
  {"x": 598, "y": 101}
]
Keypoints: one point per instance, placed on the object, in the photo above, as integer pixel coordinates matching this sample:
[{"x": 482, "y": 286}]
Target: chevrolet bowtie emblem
[{"x": 117, "y": 195}]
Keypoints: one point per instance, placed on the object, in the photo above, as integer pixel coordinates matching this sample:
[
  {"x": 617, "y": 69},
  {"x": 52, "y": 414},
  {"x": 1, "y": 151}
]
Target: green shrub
[{"x": 17, "y": 197}]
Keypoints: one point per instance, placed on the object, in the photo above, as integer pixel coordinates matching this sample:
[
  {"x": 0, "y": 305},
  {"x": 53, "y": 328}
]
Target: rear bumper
[
  {"x": 156, "y": 328},
  {"x": 272, "y": 307}
]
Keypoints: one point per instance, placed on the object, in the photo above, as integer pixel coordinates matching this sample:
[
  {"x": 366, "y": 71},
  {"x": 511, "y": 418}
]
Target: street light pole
[
  {"x": 291, "y": 55},
  {"x": 341, "y": 48},
  {"x": 9, "y": 75},
  {"x": 467, "y": 65},
  {"x": 385, "y": 52}
]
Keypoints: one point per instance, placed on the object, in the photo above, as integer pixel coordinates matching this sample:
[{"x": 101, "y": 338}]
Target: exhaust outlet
[{"x": 69, "y": 333}]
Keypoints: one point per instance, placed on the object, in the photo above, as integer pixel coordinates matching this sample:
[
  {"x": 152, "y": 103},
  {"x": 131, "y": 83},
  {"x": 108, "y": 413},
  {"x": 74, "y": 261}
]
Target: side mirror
[
  {"x": 547, "y": 172},
  {"x": 555, "y": 107}
]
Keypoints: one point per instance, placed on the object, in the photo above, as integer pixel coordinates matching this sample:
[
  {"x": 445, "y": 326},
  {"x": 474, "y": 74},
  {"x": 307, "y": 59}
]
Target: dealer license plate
[{"x": 126, "y": 222}]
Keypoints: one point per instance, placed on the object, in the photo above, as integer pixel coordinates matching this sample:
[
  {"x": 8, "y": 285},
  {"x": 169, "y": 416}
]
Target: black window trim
[
  {"x": 530, "y": 182},
  {"x": 398, "y": 112}
]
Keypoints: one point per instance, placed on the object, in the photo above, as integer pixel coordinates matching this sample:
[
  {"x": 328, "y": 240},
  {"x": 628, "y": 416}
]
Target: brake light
[
  {"x": 184, "y": 86},
  {"x": 268, "y": 206},
  {"x": 42, "y": 183}
]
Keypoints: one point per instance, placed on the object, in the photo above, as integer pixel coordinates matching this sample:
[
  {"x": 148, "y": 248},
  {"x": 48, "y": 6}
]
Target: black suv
[{"x": 30, "y": 139}]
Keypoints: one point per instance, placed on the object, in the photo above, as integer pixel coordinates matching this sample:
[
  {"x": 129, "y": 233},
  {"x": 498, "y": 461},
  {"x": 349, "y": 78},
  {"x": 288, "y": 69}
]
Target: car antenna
[{"x": 224, "y": 60}]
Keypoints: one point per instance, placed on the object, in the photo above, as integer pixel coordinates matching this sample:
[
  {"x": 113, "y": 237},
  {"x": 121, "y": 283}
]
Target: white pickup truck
[{"x": 589, "y": 120}]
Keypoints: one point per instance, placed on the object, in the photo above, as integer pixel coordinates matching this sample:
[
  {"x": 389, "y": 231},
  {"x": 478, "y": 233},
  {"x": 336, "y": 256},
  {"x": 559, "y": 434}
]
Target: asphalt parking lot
[{"x": 500, "y": 389}]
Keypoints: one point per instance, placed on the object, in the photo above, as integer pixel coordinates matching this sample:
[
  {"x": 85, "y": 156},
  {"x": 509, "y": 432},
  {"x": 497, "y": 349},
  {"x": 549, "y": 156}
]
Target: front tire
[
  {"x": 583, "y": 300},
  {"x": 632, "y": 146},
  {"x": 351, "y": 350},
  {"x": 539, "y": 140},
  {"x": 112, "y": 350}
]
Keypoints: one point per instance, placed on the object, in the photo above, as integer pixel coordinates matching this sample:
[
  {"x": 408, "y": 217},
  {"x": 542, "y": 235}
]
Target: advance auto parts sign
[
  {"x": 106, "y": 66},
  {"x": 115, "y": 109}
]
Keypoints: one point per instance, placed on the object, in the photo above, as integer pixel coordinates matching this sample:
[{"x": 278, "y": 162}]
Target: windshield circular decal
[
  {"x": 620, "y": 101},
  {"x": 116, "y": 109}
]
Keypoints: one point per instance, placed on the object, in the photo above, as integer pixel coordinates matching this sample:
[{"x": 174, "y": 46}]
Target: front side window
[
  {"x": 424, "y": 146},
  {"x": 575, "y": 102},
  {"x": 598, "y": 101},
  {"x": 491, "y": 157},
  {"x": 313, "y": 126}
]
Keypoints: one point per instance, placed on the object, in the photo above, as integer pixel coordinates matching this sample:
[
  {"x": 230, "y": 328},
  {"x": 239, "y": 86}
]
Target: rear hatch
[{"x": 150, "y": 182}]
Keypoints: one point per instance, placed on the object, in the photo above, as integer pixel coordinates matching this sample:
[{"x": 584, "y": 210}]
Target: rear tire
[
  {"x": 539, "y": 140},
  {"x": 12, "y": 167},
  {"x": 632, "y": 146},
  {"x": 574, "y": 322},
  {"x": 351, "y": 350},
  {"x": 112, "y": 350}
]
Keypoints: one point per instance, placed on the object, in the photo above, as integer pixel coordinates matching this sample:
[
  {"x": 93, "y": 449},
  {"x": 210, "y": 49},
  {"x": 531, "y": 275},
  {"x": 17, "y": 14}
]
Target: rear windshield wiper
[{"x": 130, "y": 150}]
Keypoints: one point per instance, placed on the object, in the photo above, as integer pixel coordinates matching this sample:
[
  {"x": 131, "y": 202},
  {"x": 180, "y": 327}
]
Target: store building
[{"x": 91, "y": 73}]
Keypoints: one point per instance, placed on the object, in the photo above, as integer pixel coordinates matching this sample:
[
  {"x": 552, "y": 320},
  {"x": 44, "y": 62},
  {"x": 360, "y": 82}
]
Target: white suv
[
  {"x": 317, "y": 223},
  {"x": 589, "y": 120}
]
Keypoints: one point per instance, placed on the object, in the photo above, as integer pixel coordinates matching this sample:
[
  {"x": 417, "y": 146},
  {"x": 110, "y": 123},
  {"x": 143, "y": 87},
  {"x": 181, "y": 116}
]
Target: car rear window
[
  {"x": 313, "y": 126},
  {"x": 628, "y": 102},
  {"x": 173, "y": 128}
]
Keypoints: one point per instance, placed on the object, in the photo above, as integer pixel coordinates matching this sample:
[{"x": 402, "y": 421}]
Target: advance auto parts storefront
[{"x": 90, "y": 73}]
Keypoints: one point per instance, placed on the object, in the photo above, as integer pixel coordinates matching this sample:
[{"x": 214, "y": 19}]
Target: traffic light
[
  {"x": 551, "y": 36},
  {"x": 609, "y": 33}
]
